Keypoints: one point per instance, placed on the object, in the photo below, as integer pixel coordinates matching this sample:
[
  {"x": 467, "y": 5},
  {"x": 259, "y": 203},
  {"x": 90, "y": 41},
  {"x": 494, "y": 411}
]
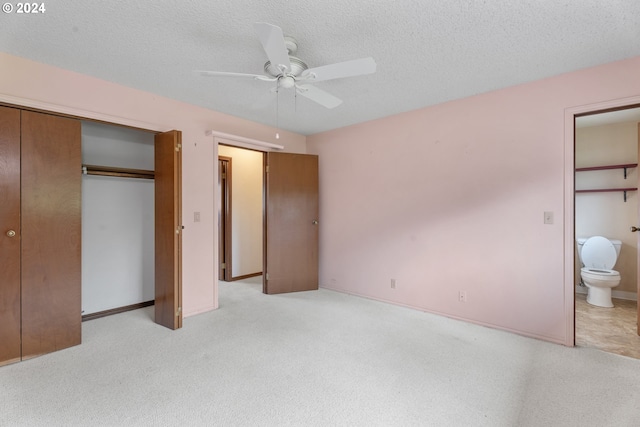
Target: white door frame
[
  {"x": 234, "y": 141},
  {"x": 569, "y": 203}
]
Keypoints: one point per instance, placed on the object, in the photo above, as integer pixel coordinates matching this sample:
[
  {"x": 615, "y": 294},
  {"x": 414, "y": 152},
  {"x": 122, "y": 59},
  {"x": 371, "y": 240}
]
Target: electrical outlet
[
  {"x": 393, "y": 283},
  {"x": 462, "y": 296}
]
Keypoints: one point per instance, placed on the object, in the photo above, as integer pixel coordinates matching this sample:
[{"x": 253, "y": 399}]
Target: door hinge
[
  {"x": 224, "y": 175},
  {"x": 267, "y": 169},
  {"x": 178, "y": 230},
  {"x": 267, "y": 276},
  {"x": 178, "y": 311},
  {"x": 178, "y": 147},
  {"x": 223, "y": 265}
]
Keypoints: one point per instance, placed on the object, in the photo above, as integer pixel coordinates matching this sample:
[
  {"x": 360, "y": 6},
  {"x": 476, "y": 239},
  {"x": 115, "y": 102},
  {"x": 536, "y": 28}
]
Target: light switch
[
  {"x": 196, "y": 217},
  {"x": 548, "y": 217}
]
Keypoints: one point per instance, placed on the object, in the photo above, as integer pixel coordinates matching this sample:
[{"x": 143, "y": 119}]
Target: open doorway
[
  {"x": 606, "y": 204},
  {"x": 289, "y": 216},
  {"x": 240, "y": 213}
]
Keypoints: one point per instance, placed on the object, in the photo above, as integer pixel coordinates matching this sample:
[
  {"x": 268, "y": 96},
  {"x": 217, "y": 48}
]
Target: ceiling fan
[{"x": 291, "y": 72}]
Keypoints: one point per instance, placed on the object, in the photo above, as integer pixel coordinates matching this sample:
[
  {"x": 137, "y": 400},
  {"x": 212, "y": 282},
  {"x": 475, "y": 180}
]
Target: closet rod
[{"x": 119, "y": 172}]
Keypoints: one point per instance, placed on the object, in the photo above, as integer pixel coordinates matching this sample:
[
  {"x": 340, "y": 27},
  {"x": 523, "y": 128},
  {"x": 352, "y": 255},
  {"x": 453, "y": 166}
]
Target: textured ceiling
[{"x": 427, "y": 52}]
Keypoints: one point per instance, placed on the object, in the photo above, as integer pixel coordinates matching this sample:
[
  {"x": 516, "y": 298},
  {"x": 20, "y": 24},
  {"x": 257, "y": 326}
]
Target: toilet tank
[
  {"x": 580, "y": 240},
  {"x": 616, "y": 244}
]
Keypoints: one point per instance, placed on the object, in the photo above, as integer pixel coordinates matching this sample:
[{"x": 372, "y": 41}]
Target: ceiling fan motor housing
[{"x": 297, "y": 67}]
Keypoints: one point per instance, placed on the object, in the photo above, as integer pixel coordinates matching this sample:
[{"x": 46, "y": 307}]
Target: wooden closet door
[
  {"x": 168, "y": 233},
  {"x": 51, "y": 233},
  {"x": 10, "y": 235}
]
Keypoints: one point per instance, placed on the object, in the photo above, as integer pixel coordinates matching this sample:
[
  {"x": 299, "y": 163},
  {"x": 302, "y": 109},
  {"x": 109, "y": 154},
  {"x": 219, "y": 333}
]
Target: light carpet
[{"x": 317, "y": 358}]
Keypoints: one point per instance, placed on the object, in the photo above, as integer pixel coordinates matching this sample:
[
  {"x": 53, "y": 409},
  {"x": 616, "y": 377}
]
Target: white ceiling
[{"x": 427, "y": 52}]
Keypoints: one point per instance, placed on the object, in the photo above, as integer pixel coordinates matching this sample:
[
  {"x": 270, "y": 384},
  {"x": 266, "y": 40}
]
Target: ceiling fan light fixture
[{"x": 286, "y": 82}]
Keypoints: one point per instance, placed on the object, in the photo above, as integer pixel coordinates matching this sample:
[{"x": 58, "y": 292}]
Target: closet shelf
[{"x": 119, "y": 172}]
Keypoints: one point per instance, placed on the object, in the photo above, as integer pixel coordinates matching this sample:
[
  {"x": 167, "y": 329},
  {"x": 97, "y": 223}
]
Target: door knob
[
  {"x": 634, "y": 229},
  {"x": 315, "y": 222},
  {"x": 11, "y": 233}
]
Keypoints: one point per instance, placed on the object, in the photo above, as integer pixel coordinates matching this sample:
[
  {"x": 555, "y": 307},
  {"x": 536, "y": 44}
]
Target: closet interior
[{"x": 117, "y": 219}]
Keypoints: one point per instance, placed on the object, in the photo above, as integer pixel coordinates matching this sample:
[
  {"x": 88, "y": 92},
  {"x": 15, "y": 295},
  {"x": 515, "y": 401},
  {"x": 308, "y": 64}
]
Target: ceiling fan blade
[
  {"x": 355, "y": 67},
  {"x": 224, "y": 73},
  {"x": 272, "y": 40},
  {"x": 318, "y": 95}
]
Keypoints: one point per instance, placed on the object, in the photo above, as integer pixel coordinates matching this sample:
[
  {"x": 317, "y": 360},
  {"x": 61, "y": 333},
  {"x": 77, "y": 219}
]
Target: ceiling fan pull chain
[{"x": 277, "y": 111}]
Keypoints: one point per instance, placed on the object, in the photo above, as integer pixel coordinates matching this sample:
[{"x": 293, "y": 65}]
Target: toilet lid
[{"x": 599, "y": 252}]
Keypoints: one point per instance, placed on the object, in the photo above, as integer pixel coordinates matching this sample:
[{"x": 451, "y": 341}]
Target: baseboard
[
  {"x": 116, "y": 310},
  {"x": 630, "y": 296},
  {"x": 523, "y": 333}
]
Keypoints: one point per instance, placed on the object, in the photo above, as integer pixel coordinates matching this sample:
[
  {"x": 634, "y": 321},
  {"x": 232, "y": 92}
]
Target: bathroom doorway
[{"x": 606, "y": 203}]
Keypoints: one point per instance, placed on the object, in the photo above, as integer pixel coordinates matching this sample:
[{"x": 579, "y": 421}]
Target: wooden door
[
  {"x": 50, "y": 233},
  {"x": 638, "y": 277},
  {"x": 224, "y": 219},
  {"x": 168, "y": 229},
  {"x": 10, "y": 340},
  {"x": 291, "y": 223}
]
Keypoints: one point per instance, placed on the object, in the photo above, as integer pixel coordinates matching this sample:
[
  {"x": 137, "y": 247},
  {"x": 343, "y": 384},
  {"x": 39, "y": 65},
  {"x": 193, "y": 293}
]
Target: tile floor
[{"x": 609, "y": 329}]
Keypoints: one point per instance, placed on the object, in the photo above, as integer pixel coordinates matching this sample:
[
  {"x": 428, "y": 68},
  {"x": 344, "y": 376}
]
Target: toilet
[{"x": 598, "y": 255}]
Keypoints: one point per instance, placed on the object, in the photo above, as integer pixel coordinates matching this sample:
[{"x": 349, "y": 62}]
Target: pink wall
[
  {"x": 441, "y": 199},
  {"x": 24, "y": 82},
  {"x": 451, "y": 198}
]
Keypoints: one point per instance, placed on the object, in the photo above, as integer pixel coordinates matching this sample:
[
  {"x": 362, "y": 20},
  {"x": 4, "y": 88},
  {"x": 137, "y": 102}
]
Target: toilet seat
[
  {"x": 598, "y": 253},
  {"x": 600, "y": 274}
]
